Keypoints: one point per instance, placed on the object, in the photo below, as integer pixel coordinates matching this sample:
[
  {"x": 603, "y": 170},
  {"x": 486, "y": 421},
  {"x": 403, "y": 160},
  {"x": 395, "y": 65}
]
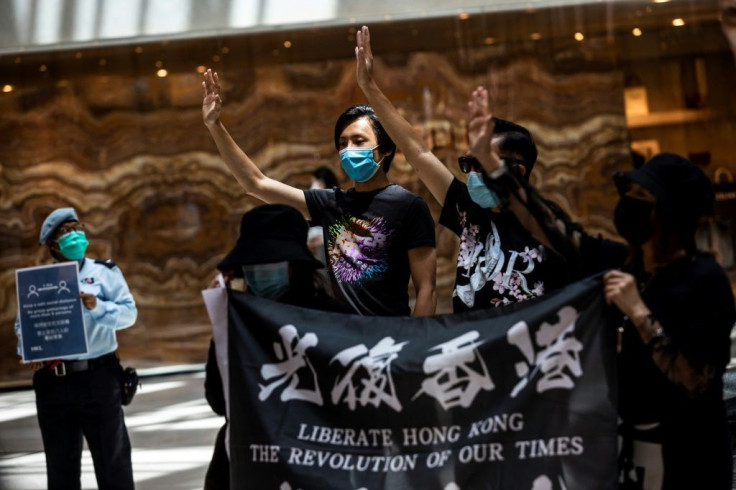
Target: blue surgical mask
[
  {"x": 267, "y": 280},
  {"x": 480, "y": 193},
  {"x": 358, "y": 163},
  {"x": 73, "y": 245}
]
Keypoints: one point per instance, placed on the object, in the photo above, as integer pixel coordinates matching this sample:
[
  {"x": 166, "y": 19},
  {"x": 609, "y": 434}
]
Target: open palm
[
  {"x": 364, "y": 56},
  {"x": 211, "y": 102}
]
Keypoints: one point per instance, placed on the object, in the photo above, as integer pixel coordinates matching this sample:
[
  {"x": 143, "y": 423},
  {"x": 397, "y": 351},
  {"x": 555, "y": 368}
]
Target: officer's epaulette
[{"x": 109, "y": 263}]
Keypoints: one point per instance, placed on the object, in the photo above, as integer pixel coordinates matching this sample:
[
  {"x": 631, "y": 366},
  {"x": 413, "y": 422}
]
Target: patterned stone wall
[{"x": 130, "y": 153}]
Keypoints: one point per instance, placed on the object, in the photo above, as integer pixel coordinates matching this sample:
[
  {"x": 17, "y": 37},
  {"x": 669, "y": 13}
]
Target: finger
[
  {"x": 210, "y": 84},
  {"x": 359, "y": 38},
  {"x": 477, "y": 101},
  {"x": 490, "y": 124},
  {"x": 612, "y": 277},
  {"x": 484, "y": 100},
  {"x": 472, "y": 106},
  {"x": 610, "y": 297},
  {"x": 367, "y": 41}
]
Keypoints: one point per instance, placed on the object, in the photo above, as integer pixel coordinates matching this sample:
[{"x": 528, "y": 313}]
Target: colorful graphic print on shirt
[
  {"x": 484, "y": 263},
  {"x": 358, "y": 249}
]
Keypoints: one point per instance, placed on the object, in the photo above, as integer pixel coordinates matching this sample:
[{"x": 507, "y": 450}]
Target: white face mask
[{"x": 267, "y": 280}]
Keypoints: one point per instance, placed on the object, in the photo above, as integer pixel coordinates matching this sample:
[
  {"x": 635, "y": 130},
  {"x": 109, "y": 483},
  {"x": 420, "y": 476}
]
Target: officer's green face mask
[{"x": 72, "y": 245}]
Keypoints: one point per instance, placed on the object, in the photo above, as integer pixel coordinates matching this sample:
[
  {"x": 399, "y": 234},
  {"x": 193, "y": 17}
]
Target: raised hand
[
  {"x": 480, "y": 130},
  {"x": 211, "y": 102},
  {"x": 364, "y": 56}
]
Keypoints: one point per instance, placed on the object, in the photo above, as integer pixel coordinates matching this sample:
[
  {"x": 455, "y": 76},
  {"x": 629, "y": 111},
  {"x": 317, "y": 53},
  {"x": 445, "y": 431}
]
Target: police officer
[{"x": 81, "y": 396}]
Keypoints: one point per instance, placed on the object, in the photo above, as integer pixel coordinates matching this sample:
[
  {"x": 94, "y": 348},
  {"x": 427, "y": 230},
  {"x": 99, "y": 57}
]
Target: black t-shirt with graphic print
[
  {"x": 498, "y": 262},
  {"x": 367, "y": 238}
]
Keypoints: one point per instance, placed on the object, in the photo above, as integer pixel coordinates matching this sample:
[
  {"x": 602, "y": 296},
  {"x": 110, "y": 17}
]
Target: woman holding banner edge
[
  {"x": 677, "y": 306},
  {"x": 272, "y": 258}
]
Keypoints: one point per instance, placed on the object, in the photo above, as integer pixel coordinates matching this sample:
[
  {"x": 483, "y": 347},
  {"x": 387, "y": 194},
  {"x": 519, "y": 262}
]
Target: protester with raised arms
[
  {"x": 377, "y": 234},
  {"x": 676, "y": 303},
  {"x": 498, "y": 262}
]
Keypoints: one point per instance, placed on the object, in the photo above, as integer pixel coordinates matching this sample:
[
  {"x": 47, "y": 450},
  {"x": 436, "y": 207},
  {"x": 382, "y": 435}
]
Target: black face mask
[{"x": 633, "y": 220}]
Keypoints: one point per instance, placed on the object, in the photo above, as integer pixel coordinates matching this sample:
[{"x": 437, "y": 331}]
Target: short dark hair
[
  {"x": 517, "y": 139},
  {"x": 385, "y": 143},
  {"x": 327, "y": 176}
]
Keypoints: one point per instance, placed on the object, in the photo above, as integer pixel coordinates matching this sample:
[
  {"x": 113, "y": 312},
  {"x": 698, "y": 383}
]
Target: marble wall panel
[{"x": 131, "y": 155}]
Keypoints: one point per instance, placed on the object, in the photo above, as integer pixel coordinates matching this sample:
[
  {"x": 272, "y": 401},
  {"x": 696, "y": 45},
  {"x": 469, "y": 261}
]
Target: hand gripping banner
[{"x": 515, "y": 398}]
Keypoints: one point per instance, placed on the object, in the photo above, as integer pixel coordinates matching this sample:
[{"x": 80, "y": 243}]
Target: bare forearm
[
  {"x": 426, "y": 302},
  {"x": 430, "y": 170},
  {"x": 423, "y": 266},
  {"x": 403, "y": 134},
  {"x": 245, "y": 171},
  {"x": 250, "y": 176}
]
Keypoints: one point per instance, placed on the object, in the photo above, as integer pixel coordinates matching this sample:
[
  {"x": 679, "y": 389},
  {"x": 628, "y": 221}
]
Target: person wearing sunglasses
[
  {"x": 498, "y": 261},
  {"x": 676, "y": 307},
  {"x": 377, "y": 235}
]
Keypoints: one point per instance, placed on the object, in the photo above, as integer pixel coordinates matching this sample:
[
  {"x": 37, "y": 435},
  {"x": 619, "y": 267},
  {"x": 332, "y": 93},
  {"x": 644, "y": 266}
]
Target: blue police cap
[{"x": 53, "y": 220}]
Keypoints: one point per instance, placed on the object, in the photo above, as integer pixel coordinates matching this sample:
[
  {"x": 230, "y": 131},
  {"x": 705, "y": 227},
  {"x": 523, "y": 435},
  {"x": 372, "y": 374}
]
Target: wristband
[{"x": 659, "y": 339}]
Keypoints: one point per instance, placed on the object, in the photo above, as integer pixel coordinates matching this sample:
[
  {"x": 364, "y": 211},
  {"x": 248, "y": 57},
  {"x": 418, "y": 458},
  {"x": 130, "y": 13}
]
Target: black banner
[{"x": 519, "y": 398}]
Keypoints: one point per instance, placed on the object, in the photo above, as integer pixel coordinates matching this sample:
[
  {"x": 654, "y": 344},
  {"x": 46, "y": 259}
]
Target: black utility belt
[{"x": 61, "y": 368}]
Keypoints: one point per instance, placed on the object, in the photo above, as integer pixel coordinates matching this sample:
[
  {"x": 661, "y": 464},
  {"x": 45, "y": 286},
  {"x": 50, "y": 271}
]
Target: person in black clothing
[
  {"x": 377, "y": 235},
  {"x": 677, "y": 307},
  {"x": 498, "y": 261},
  {"x": 271, "y": 254}
]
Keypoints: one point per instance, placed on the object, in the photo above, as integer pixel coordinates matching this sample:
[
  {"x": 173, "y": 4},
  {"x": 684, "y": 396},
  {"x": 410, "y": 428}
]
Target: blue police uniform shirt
[{"x": 115, "y": 309}]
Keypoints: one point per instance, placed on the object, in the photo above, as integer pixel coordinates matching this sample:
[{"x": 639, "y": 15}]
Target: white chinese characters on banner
[
  {"x": 374, "y": 384},
  {"x": 557, "y": 351},
  {"x": 292, "y": 354},
  {"x": 456, "y": 374},
  {"x": 459, "y": 372}
]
